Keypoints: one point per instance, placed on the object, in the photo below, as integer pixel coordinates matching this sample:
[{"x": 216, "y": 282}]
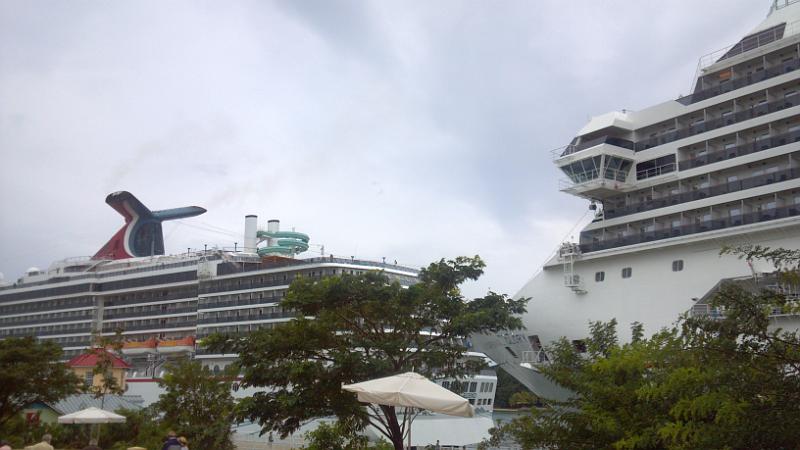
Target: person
[
  {"x": 184, "y": 443},
  {"x": 172, "y": 442},
  {"x": 44, "y": 445},
  {"x": 92, "y": 445},
  {"x": 4, "y": 445}
]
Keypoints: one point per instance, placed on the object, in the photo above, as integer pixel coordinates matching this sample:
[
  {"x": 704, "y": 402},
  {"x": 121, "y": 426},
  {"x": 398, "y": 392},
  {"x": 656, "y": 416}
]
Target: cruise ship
[
  {"x": 162, "y": 304},
  {"x": 669, "y": 186}
]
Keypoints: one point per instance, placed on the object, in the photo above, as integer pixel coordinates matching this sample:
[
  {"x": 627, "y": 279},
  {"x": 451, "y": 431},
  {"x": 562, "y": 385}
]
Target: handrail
[
  {"x": 741, "y": 150},
  {"x": 691, "y": 130},
  {"x": 699, "y": 227},
  {"x": 699, "y": 194},
  {"x": 574, "y": 148}
]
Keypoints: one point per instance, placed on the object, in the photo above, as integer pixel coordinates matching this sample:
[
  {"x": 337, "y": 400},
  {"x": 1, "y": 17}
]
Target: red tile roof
[{"x": 90, "y": 359}]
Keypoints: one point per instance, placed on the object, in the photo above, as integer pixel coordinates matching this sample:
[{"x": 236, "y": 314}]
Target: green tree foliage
[
  {"x": 335, "y": 436},
  {"x": 142, "y": 428},
  {"x": 30, "y": 371},
  {"x": 198, "y": 404},
  {"x": 104, "y": 369},
  {"x": 353, "y": 328},
  {"x": 727, "y": 382}
]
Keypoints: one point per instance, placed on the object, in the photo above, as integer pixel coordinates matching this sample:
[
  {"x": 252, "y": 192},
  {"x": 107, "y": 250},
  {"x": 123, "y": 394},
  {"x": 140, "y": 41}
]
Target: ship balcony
[
  {"x": 743, "y": 149},
  {"x": 650, "y": 235},
  {"x": 725, "y": 187}
]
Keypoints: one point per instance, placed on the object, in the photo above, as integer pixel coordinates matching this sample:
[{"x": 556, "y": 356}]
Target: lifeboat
[
  {"x": 176, "y": 345},
  {"x": 139, "y": 348}
]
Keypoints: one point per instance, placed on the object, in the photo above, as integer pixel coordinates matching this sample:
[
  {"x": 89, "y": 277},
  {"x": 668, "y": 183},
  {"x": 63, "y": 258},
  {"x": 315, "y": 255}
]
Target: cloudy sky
[{"x": 411, "y": 130}]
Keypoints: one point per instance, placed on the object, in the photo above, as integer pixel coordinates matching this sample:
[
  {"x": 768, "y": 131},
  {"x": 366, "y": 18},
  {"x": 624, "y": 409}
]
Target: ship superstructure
[{"x": 670, "y": 186}]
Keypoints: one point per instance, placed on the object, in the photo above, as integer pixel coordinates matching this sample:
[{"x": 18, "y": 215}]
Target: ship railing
[
  {"x": 48, "y": 330},
  {"x": 574, "y": 148},
  {"x": 699, "y": 227},
  {"x": 708, "y": 125},
  {"x": 113, "y": 326},
  {"x": 712, "y": 124},
  {"x": 31, "y": 308},
  {"x": 535, "y": 357},
  {"x": 656, "y": 171},
  {"x": 701, "y": 193},
  {"x": 117, "y": 314},
  {"x": 741, "y": 150},
  {"x": 248, "y": 318},
  {"x": 86, "y": 315}
]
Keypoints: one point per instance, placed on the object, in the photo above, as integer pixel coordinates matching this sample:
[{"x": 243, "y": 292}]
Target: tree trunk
[{"x": 394, "y": 426}]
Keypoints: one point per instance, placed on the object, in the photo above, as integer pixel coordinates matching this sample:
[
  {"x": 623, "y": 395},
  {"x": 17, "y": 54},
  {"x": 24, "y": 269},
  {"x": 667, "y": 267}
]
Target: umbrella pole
[{"x": 409, "y": 426}]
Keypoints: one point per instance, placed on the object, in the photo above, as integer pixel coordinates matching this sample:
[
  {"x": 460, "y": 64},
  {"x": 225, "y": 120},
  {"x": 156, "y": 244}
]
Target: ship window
[
  {"x": 677, "y": 265},
  {"x": 627, "y": 272},
  {"x": 599, "y": 276}
]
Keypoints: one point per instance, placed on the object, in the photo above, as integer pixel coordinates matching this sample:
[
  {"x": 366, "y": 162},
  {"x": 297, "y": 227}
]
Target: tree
[
  {"x": 142, "y": 428},
  {"x": 729, "y": 381},
  {"x": 104, "y": 369},
  {"x": 353, "y": 328},
  {"x": 335, "y": 436},
  {"x": 198, "y": 404},
  {"x": 30, "y": 372}
]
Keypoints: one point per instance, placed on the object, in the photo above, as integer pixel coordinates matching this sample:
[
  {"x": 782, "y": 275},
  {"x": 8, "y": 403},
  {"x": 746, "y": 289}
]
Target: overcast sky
[{"x": 409, "y": 130}]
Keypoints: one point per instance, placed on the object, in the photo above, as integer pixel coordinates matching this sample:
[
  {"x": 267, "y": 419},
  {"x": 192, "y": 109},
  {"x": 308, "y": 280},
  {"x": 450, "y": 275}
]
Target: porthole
[
  {"x": 599, "y": 276},
  {"x": 627, "y": 272}
]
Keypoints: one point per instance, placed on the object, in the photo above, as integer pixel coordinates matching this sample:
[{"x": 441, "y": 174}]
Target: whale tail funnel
[{"x": 141, "y": 235}]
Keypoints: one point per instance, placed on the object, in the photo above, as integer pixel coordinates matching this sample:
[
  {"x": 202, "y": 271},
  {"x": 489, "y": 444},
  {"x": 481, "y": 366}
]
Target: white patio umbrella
[
  {"x": 411, "y": 390},
  {"x": 92, "y": 415}
]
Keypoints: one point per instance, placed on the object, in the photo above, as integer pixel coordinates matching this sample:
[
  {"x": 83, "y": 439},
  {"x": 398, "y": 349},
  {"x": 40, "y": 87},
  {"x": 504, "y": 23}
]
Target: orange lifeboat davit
[
  {"x": 140, "y": 347},
  {"x": 176, "y": 345}
]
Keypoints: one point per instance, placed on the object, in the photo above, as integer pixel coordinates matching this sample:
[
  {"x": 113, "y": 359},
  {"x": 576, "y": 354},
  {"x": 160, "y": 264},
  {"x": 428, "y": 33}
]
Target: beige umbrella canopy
[
  {"x": 92, "y": 415},
  {"x": 411, "y": 390}
]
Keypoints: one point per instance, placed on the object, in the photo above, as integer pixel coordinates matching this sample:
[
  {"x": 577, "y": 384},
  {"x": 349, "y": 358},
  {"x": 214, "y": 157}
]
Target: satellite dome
[{"x": 32, "y": 271}]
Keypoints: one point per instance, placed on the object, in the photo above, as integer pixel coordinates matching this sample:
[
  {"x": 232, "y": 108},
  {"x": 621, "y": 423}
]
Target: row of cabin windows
[
  {"x": 467, "y": 386},
  {"x": 627, "y": 272}
]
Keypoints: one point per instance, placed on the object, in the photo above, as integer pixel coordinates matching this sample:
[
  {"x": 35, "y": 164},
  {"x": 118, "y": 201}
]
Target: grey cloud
[{"x": 411, "y": 130}]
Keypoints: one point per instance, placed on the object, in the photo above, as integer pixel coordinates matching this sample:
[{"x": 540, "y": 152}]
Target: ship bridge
[{"x": 597, "y": 165}]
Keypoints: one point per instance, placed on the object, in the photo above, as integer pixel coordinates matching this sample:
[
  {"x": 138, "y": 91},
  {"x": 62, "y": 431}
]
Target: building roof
[
  {"x": 90, "y": 359},
  {"x": 77, "y": 402}
]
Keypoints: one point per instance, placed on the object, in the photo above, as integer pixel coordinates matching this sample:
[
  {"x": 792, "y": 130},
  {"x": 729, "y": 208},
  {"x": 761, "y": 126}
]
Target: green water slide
[{"x": 282, "y": 242}]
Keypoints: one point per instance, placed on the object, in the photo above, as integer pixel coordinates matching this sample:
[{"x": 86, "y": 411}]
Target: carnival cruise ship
[
  {"x": 164, "y": 305},
  {"x": 670, "y": 186},
  {"x": 161, "y": 304}
]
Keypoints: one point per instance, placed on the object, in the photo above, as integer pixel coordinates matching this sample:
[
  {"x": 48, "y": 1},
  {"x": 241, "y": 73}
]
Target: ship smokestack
[
  {"x": 250, "y": 230},
  {"x": 273, "y": 226}
]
